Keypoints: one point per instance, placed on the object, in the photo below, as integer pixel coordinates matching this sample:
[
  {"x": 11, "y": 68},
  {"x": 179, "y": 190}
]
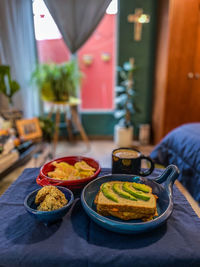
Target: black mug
[{"x": 128, "y": 161}]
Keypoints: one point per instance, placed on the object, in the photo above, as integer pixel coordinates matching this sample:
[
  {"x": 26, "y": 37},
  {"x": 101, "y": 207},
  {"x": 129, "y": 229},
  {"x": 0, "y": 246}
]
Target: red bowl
[{"x": 43, "y": 178}]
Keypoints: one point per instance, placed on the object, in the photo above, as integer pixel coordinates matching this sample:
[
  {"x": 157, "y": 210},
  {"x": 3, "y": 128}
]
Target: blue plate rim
[{"x": 109, "y": 221}]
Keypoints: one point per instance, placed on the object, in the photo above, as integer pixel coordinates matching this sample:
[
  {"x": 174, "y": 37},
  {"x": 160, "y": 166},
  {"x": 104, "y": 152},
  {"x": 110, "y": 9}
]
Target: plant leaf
[
  {"x": 121, "y": 99},
  {"x": 120, "y": 89},
  {"x": 119, "y": 113}
]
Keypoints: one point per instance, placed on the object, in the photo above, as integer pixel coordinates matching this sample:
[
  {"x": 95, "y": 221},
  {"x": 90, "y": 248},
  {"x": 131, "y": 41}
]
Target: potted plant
[
  {"x": 57, "y": 82},
  {"x": 7, "y": 86},
  {"x": 47, "y": 126},
  {"x": 125, "y": 105}
]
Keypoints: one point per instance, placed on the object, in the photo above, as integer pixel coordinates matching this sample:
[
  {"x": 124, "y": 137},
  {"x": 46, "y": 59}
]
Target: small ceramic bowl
[
  {"x": 43, "y": 178},
  {"x": 48, "y": 216}
]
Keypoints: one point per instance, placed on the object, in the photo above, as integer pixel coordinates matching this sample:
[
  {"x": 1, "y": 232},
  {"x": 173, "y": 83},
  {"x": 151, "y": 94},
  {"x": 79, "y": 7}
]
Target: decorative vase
[
  {"x": 123, "y": 136},
  {"x": 87, "y": 59},
  {"x": 144, "y": 134},
  {"x": 105, "y": 56}
]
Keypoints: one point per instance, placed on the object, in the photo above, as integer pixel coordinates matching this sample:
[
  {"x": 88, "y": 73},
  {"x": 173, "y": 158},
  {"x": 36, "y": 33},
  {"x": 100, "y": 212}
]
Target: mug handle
[{"x": 150, "y": 170}]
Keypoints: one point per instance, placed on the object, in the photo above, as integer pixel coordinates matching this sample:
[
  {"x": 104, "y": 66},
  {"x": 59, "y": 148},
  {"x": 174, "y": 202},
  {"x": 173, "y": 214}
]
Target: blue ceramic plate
[{"x": 164, "y": 202}]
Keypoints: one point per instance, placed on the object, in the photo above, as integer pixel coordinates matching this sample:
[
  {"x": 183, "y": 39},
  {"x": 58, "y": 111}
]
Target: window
[{"x": 96, "y": 57}]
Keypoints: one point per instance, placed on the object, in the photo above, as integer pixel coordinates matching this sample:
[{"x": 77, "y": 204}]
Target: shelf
[{"x": 24, "y": 158}]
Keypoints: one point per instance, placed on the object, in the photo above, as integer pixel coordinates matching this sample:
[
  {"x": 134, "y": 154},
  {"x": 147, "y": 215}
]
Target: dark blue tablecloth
[{"x": 78, "y": 241}]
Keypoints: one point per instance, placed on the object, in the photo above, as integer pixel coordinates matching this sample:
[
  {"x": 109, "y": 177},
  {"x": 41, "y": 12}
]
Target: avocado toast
[{"x": 126, "y": 200}]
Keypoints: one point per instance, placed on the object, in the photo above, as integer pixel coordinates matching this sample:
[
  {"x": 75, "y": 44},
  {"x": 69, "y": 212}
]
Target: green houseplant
[
  {"x": 7, "y": 86},
  {"x": 125, "y": 104},
  {"x": 47, "y": 126},
  {"x": 57, "y": 82}
]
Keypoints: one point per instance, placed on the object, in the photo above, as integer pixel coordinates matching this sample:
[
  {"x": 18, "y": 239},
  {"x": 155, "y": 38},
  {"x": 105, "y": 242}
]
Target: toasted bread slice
[
  {"x": 126, "y": 209},
  {"x": 127, "y": 215}
]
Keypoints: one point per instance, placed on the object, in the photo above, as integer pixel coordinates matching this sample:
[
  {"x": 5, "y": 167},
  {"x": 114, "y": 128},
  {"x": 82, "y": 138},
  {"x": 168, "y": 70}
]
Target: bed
[{"x": 182, "y": 148}]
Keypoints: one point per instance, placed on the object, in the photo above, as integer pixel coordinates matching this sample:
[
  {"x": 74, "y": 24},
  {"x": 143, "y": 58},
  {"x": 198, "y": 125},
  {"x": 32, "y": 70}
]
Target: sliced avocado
[
  {"x": 108, "y": 193},
  {"x": 117, "y": 189},
  {"x": 128, "y": 188},
  {"x": 142, "y": 187}
]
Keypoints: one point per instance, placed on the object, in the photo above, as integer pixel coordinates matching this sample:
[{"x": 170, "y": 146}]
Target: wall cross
[{"x": 138, "y": 19}]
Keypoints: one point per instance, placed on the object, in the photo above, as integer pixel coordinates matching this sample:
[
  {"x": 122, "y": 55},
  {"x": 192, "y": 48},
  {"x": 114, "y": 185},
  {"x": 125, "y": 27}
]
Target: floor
[{"x": 99, "y": 150}]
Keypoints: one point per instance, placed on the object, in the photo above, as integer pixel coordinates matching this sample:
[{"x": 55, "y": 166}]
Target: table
[{"x": 78, "y": 241}]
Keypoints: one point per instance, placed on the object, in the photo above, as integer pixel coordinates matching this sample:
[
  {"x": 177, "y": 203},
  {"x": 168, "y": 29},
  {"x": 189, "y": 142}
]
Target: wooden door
[
  {"x": 194, "y": 99},
  {"x": 182, "y": 43}
]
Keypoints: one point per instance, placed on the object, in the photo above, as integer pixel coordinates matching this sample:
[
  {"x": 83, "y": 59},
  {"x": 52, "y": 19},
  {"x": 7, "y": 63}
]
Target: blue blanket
[
  {"x": 182, "y": 148},
  {"x": 77, "y": 241}
]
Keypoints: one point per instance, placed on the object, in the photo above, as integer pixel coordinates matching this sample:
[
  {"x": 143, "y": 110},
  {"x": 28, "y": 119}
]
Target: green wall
[
  {"x": 95, "y": 124},
  {"x": 143, "y": 52},
  {"x": 99, "y": 124}
]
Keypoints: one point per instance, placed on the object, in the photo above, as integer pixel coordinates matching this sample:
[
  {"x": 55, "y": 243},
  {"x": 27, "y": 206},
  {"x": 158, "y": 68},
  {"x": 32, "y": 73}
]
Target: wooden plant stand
[{"x": 70, "y": 110}]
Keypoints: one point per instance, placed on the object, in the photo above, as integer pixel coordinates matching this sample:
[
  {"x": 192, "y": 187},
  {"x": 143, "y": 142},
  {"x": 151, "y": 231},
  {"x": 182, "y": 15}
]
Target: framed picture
[{"x": 29, "y": 128}]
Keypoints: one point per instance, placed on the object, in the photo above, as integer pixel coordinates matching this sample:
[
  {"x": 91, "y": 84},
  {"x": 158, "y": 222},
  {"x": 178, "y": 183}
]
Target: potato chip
[
  {"x": 85, "y": 174},
  {"x": 65, "y": 171},
  {"x": 82, "y": 165}
]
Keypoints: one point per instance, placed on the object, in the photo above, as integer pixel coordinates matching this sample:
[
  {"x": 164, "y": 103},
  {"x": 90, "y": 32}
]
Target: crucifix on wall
[{"x": 138, "y": 19}]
